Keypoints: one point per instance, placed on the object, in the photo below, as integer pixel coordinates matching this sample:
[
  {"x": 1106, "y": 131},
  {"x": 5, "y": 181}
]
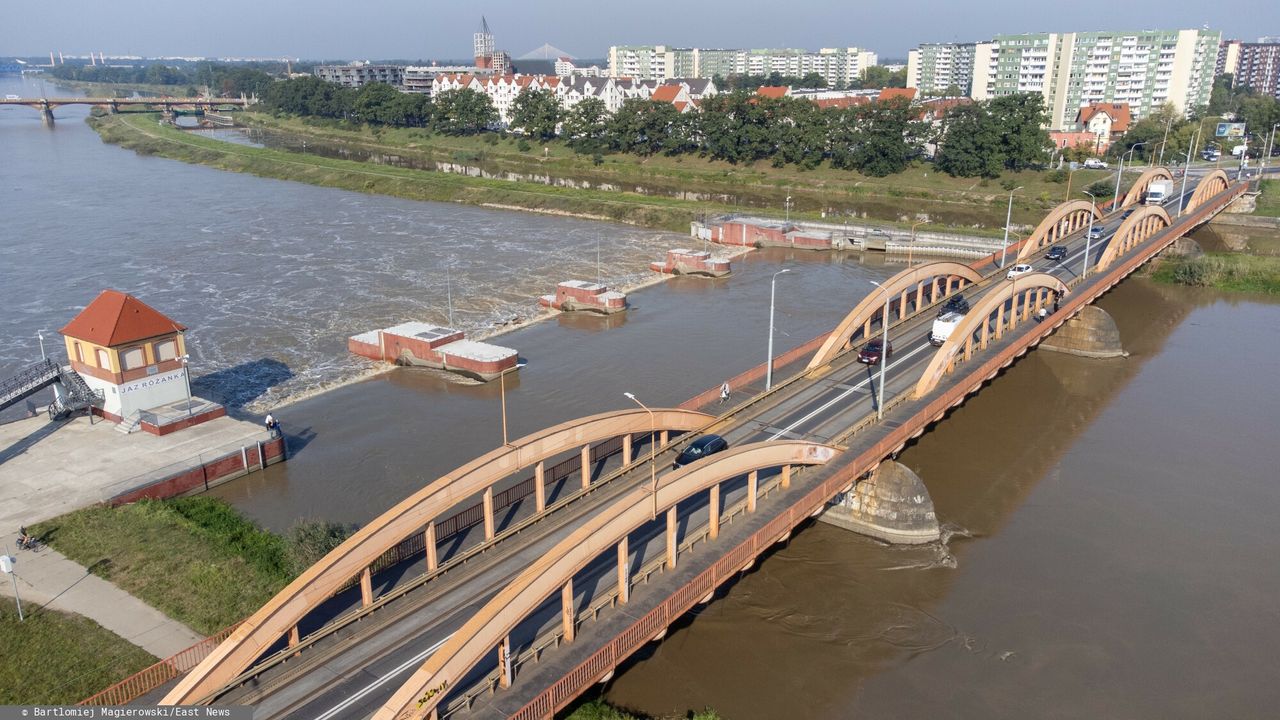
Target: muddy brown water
[{"x": 1112, "y": 545}]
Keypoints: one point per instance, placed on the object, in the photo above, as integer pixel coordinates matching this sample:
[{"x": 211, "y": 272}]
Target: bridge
[
  {"x": 170, "y": 106},
  {"x": 511, "y": 585}
]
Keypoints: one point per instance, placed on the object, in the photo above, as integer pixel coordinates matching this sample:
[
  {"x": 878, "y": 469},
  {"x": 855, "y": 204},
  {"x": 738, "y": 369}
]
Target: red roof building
[
  {"x": 115, "y": 318},
  {"x": 773, "y": 91},
  {"x": 907, "y": 94}
]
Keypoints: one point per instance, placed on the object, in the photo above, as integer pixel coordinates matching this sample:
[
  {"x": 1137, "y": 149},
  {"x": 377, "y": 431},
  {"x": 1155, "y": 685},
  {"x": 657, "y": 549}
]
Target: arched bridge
[
  {"x": 533, "y": 598},
  {"x": 168, "y": 105}
]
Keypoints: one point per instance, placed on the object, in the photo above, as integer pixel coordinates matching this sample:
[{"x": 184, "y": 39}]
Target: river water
[{"x": 1111, "y": 549}]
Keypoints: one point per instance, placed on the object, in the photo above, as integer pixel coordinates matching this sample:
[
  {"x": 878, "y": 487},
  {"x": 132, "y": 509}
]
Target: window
[
  {"x": 166, "y": 350},
  {"x": 79, "y": 353},
  {"x": 132, "y": 358},
  {"x": 104, "y": 361}
]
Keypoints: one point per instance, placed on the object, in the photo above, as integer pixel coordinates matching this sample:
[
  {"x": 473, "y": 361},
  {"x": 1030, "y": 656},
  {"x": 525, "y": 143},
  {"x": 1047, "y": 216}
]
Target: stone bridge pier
[
  {"x": 1091, "y": 333},
  {"x": 892, "y": 504},
  {"x": 46, "y": 115}
]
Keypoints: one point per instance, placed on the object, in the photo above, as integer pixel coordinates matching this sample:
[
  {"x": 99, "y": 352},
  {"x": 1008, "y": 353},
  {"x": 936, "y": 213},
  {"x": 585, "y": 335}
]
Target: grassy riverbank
[
  {"x": 1269, "y": 200},
  {"x": 1232, "y": 272},
  {"x": 195, "y": 559},
  {"x": 54, "y": 658},
  {"x": 600, "y": 710}
]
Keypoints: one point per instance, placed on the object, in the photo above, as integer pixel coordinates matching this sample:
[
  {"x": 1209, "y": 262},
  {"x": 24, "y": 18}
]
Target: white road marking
[{"x": 382, "y": 680}]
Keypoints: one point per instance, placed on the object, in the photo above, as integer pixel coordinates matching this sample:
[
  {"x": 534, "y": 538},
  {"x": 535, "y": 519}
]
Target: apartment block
[
  {"x": 359, "y": 74},
  {"x": 660, "y": 62},
  {"x": 1072, "y": 70},
  {"x": 939, "y": 68},
  {"x": 1252, "y": 65}
]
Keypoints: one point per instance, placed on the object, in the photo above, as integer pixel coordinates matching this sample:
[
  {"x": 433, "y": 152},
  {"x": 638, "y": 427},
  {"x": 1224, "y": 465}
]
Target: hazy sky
[{"x": 356, "y": 29}]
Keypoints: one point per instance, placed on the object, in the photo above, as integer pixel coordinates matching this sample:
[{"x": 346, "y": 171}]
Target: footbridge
[
  {"x": 168, "y": 105},
  {"x": 511, "y": 585}
]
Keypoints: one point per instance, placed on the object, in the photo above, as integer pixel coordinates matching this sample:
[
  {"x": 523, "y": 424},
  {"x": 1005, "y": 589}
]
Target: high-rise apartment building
[
  {"x": 660, "y": 62},
  {"x": 1072, "y": 70},
  {"x": 1252, "y": 65},
  {"x": 941, "y": 68}
]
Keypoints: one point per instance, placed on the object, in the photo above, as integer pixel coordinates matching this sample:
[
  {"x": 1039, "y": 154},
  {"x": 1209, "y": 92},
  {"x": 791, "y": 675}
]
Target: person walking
[
  {"x": 724, "y": 393},
  {"x": 273, "y": 425}
]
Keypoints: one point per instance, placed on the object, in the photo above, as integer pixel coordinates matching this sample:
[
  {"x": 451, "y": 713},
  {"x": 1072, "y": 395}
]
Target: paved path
[{"x": 48, "y": 579}]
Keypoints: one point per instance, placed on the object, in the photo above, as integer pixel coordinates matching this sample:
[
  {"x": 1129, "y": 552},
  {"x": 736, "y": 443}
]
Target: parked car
[
  {"x": 1096, "y": 232},
  {"x": 700, "y": 448},
  {"x": 1057, "y": 253},
  {"x": 1019, "y": 269},
  {"x": 954, "y": 304},
  {"x": 871, "y": 352},
  {"x": 1095, "y": 164}
]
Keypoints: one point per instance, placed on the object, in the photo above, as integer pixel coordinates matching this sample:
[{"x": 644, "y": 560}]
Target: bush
[
  {"x": 1009, "y": 184},
  {"x": 523, "y": 145},
  {"x": 310, "y": 540},
  {"x": 1056, "y": 176}
]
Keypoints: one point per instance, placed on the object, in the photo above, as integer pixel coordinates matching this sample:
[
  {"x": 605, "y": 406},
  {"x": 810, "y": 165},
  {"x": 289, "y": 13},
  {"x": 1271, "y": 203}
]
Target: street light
[
  {"x": 186, "y": 375},
  {"x": 1007, "y": 217},
  {"x": 1120, "y": 171},
  {"x": 884, "y": 349},
  {"x": 1266, "y": 153},
  {"x": 1182, "y": 196},
  {"x": 502, "y": 390},
  {"x": 911, "y": 248},
  {"x": 1088, "y": 236},
  {"x": 653, "y": 453},
  {"x": 788, "y": 209},
  {"x": 773, "y": 292},
  {"x": 42, "y": 355}
]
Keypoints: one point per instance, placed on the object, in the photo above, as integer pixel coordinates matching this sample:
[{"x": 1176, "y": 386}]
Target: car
[
  {"x": 956, "y": 304},
  {"x": 1019, "y": 269},
  {"x": 1057, "y": 253},
  {"x": 1127, "y": 213},
  {"x": 870, "y": 354},
  {"x": 1096, "y": 232},
  {"x": 700, "y": 448},
  {"x": 1095, "y": 164}
]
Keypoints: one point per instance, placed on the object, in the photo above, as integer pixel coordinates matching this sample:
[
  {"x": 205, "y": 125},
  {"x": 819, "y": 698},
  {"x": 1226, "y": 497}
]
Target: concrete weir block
[
  {"x": 1184, "y": 247},
  {"x": 1091, "y": 333},
  {"x": 892, "y": 505}
]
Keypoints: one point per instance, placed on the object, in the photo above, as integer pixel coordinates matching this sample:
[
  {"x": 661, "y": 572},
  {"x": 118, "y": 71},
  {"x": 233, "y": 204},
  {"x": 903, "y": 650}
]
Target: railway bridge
[
  {"x": 170, "y": 106},
  {"x": 511, "y": 585}
]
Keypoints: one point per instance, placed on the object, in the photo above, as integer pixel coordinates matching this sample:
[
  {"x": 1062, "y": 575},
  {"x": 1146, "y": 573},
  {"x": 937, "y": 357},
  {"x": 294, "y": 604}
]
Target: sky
[{"x": 385, "y": 29}]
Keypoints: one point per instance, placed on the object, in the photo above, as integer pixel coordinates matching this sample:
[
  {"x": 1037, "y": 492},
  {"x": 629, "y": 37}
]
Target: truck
[
  {"x": 1158, "y": 192},
  {"x": 943, "y": 326}
]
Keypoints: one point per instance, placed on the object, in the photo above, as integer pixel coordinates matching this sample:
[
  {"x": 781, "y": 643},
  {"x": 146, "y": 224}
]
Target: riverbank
[{"x": 1230, "y": 272}]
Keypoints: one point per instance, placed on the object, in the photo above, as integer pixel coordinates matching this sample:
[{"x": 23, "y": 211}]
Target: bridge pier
[
  {"x": 1091, "y": 333},
  {"x": 892, "y": 505},
  {"x": 46, "y": 115}
]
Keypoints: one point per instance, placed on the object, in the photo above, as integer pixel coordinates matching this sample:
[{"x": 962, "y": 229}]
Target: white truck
[
  {"x": 943, "y": 326},
  {"x": 1158, "y": 192}
]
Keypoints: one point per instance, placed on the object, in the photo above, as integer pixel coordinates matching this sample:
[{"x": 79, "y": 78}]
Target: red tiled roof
[
  {"x": 667, "y": 93},
  {"x": 1118, "y": 112},
  {"x": 888, "y": 93},
  {"x": 842, "y": 102},
  {"x": 115, "y": 318},
  {"x": 772, "y": 91}
]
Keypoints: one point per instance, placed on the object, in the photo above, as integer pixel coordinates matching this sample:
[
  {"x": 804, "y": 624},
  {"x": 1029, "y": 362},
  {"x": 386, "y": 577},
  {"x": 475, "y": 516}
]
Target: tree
[
  {"x": 642, "y": 126},
  {"x": 879, "y": 76},
  {"x": 378, "y": 104},
  {"x": 309, "y": 96},
  {"x": 877, "y": 139},
  {"x": 584, "y": 125},
  {"x": 1021, "y": 118},
  {"x": 738, "y": 127},
  {"x": 463, "y": 112},
  {"x": 537, "y": 113},
  {"x": 971, "y": 145}
]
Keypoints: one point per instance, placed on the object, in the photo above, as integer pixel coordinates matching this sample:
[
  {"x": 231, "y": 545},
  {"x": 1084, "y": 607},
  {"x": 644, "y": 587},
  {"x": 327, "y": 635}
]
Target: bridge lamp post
[
  {"x": 1088, "y": 236},
  {"x": 653, "y": 453},
  {"x": 1008, "y": 215},
  {"x": 186, "y": 376},
  {"x": 884, "y": 350},
  {"x": 911, "y": 248},
  {"x": 1182, "y": 196},
  {"x": 42, "y": 355},
  {"x": 773, "y": 293},
  {"x": 1120, "y": 171},
  {"x": 1266, "y": 153}
]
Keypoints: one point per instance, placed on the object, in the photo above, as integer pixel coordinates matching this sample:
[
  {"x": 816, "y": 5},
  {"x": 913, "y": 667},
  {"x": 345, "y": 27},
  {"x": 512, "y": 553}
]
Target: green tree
[
  {"x": 584, "y": 126},
  {"x": 643, "y": 127},
  {"x": 463, "y": 112},
  {"x": 971, "y": 145},
  {"x": 879, "y": 76},
  {"x": 1022, "y": 119},
  {"x": 537, "y": 113}
]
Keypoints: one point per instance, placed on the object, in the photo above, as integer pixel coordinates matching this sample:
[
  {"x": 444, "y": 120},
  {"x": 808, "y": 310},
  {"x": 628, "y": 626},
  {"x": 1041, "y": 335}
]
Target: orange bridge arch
[
  {"x": 1209, "y": 185},
  {"x": 1134, "y": 196},
  {"x": 1065, "y": 219},
  {"x": 1142, "y": 224}
]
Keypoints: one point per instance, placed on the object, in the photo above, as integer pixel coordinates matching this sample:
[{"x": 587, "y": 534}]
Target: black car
[
  {"x": 955, "y": 303},
  {"x": 871, "y": 352},
  {"x": 700, "y": 448},
  {"x": 1057, "y": 253}
]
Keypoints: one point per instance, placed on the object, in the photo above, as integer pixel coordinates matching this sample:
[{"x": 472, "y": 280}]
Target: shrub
[
  {"x": 523, "y": 145},
  {"x": 310, "y": 540}
]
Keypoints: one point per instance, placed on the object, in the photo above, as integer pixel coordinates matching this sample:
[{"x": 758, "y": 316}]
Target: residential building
[
  {"x": 660, "y": 62},
  {"x": 1252, "y": 65},
  {"x": 1072, "y": 70},
  {"x": 565, "y": 66},
  {"x": 941, "y": 68},
  {"x": 1106, "y": 122},
  {"x": 359, "y": 74},
  {"x": 421, "y": 79}
]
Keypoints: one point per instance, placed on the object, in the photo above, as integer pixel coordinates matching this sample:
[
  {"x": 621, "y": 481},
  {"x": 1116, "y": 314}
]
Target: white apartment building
[{"x": 661, "y": 62}]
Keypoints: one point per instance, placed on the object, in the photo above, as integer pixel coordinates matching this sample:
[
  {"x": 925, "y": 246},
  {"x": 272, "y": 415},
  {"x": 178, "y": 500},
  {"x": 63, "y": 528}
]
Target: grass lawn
[
  {"x": 1269, "y": 200},
  {"x": 55, "y": 658},
  {"x": 600, "y": 710},
  {"x": 195, "y": 559},
  {"x": 1234, "y": 272}
]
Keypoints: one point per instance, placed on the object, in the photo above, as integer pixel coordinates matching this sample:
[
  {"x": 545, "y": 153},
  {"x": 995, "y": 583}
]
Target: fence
[{"x": 144, "y": 681}]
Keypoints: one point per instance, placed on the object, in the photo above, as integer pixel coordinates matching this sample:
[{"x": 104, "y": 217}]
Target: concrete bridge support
[
  {"x": 46, "y": 114},
  {"x": 1091, "y": 333},
  {"x": 892, "y": 505}
]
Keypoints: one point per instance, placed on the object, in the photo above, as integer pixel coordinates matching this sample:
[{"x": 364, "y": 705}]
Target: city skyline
[{"x": 326, "y": 29}]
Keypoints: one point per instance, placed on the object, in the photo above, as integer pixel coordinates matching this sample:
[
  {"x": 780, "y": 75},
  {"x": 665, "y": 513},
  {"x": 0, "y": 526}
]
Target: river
[{"x": 1111, "y": 550}]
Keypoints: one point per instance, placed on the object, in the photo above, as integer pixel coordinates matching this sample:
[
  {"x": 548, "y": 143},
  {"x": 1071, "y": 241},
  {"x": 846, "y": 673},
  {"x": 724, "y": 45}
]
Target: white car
[
  {"x": 1020, "y": 269},
  {"x": 1095, "y": 164}
]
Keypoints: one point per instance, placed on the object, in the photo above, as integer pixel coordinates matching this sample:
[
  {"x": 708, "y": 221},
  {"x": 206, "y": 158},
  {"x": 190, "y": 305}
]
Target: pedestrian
[
  {"x": 724, "y": 393},
  {"x": 1042, "y": 314},
  {"x": 273, "y": 426}
]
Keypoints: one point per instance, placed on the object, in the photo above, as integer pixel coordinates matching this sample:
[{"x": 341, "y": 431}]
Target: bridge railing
[{"x": 150, "y": 678}]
